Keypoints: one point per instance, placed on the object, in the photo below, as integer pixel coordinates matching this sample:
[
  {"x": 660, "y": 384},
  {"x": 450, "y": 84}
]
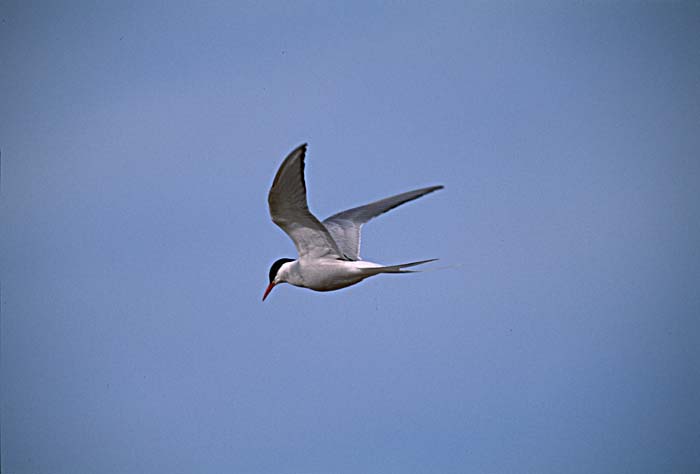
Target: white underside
[{"x": 324, "y": 274}]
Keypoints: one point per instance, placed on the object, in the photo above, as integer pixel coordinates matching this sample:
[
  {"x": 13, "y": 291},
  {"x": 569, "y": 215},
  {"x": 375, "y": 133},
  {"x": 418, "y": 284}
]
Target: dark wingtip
[
  {"x": 429, "y": 189},
  {"x": 300, "y": 152},
  {"x": 301, "y": 149}
]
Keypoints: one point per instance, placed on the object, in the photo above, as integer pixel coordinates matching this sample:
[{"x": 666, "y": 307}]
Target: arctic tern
[{"x": 329, "y": 251}]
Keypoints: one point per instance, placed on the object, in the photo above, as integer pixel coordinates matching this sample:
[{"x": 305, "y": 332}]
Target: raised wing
[
  {"x": 289, "y": 210},
  {"x": 345, "y": 226}
]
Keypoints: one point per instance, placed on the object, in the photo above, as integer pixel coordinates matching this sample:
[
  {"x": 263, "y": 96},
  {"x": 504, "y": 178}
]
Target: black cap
[{"x": 276, "y": 266}]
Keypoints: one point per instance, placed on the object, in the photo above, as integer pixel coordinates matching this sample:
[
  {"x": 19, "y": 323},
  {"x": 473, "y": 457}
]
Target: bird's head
[{"x": 277, "y": 273}]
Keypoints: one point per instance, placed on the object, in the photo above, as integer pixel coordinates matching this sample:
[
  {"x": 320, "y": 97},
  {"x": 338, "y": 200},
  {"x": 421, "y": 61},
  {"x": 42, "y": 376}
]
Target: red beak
[{"x": 268, "y": 290}]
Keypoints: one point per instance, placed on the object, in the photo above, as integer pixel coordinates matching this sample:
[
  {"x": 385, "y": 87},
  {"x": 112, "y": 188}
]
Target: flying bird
[{"x": 329, "y": 251}]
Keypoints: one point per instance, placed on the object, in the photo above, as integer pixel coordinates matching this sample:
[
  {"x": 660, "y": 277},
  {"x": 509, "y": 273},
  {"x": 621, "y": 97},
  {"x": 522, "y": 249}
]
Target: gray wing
[
  {"x": 289, "y": 210},
  {"x": 345, "y": 226}
]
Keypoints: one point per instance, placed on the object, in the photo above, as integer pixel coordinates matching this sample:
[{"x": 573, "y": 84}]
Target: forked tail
[{"x": 396, "y": 268}]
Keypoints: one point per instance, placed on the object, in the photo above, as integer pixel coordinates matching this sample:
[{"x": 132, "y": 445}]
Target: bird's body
[
  {"x": 325, "y": 274},
  {"x": 329, "y": 251}
]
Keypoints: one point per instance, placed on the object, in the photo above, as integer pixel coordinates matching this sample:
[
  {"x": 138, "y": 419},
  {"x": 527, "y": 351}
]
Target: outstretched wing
[
  {"x": 345, "y": 226},
  {"x": 289, "y": 210}
]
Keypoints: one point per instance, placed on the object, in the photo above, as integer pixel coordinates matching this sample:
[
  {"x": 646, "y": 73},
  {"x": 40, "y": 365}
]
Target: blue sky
[{"x": 138, "y": 144}]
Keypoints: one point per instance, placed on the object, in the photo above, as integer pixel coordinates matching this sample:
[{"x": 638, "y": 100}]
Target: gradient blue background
[{"x": 139, "y": 142}]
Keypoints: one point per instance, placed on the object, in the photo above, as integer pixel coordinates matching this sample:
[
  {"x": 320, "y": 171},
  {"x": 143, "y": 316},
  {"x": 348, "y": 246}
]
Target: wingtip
[
  {"x": 430, "y": 189},
  {"x": 300, "y": 149}
]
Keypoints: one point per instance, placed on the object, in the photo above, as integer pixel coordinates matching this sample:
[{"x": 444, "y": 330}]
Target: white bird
[{"x": 329, "y": 251}]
